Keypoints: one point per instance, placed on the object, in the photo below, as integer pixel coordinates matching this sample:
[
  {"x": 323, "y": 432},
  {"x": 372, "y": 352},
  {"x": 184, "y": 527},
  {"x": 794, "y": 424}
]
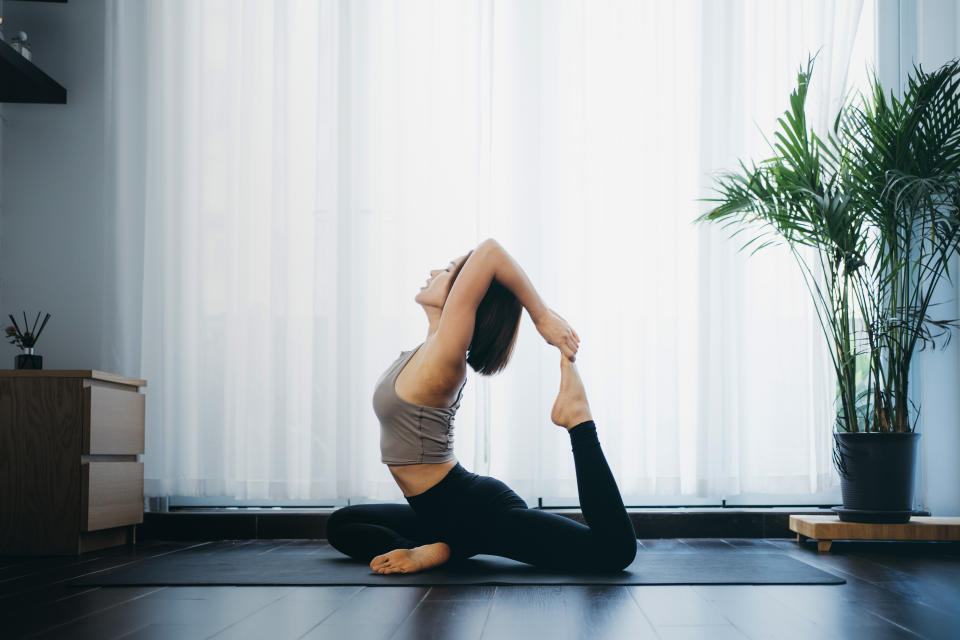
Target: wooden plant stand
[{"x": 826, "y": 529}]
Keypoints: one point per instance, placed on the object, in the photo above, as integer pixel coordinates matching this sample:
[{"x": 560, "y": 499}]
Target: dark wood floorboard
[
  {"x": 435, "y": 619},
  {"x": 28, "y": 579},
  {"x": 205, "y": 613},
  {"x": 374, "y": 613},
  {"x": 54, "y": 613},
  {"x": 893, "y": 590},
  {"x": 291, "y": 616},
  {"x": 525, "y": 611}
]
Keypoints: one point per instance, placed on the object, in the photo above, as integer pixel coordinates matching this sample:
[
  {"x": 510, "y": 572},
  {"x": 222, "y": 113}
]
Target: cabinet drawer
[
  {"x": 111, "y": 494},
  {"x": 112, "y": 421}
]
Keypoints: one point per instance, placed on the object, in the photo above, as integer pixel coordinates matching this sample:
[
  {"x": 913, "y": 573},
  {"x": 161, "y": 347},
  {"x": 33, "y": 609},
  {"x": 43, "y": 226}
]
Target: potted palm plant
[{"x": 869, "y": 211}]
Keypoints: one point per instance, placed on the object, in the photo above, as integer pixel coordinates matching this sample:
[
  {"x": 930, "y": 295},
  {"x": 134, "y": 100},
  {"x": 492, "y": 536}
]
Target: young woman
[{"x": 473, "y": 307}]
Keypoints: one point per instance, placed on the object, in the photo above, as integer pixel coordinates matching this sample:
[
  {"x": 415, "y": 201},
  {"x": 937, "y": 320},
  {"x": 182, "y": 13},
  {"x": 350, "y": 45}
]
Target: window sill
[{"x": 205, "y": 523}]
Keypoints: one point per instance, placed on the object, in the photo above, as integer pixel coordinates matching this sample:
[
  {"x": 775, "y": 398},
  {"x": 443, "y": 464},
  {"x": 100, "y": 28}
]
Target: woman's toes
[
  {"x": 396, "y": 561},
  {"x": 380, "y": 563}
]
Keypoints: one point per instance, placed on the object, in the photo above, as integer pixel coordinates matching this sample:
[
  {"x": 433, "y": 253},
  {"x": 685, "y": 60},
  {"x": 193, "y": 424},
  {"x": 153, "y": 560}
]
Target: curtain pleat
[{"x": 294, "y": 169}]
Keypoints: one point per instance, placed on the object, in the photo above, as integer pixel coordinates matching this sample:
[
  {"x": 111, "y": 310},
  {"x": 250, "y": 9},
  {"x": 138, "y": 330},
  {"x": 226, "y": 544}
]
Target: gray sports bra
[{"x": 411, "y": 433}]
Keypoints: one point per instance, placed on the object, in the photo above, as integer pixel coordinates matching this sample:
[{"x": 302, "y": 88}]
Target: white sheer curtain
[{"x": 294, "y": 169}]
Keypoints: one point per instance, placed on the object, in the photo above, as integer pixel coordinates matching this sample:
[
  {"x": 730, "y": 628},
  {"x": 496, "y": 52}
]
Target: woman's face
[{"x": 434, "y": 292}]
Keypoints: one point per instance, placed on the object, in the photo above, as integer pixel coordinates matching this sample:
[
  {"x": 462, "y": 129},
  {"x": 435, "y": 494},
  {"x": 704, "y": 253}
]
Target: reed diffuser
[{"x": 26, "y": 341}]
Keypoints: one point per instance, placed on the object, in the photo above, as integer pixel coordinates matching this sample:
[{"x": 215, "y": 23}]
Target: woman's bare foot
[
  {"x": 571, "y": 407},
  {"x": 412, "y": 560}
]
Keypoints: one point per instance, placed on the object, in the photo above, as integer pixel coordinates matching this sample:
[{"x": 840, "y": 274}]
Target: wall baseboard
[{"x": 244, "y": 524}]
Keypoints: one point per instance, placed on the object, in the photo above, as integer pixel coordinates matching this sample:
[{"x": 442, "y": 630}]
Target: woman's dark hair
[{"x": 495, "y": 328}]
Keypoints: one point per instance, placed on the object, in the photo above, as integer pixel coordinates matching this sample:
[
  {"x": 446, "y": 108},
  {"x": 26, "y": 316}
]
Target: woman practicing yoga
[{"x": 473, "y": 307}]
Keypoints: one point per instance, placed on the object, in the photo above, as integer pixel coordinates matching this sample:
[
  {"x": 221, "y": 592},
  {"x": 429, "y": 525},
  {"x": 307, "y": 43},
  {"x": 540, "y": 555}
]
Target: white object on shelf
[{"x": 19, "y": 44}]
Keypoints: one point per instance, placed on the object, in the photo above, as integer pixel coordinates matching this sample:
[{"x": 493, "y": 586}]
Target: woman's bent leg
[
  {"x": 607, "y": 542},
  {"x": 600, "y": 498},
  {"x": 363, "y": 531}
]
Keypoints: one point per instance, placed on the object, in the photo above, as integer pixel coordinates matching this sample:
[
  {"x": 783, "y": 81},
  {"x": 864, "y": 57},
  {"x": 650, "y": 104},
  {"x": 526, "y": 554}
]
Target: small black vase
[
  {"x": 28, "y": 360},
  {"x": 876, "y": 476}
]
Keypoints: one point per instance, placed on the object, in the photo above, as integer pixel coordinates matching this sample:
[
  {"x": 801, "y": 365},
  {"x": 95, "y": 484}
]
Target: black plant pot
[
  {"x": 28, "y": 361},
  {"x": 876, "y": 476}
]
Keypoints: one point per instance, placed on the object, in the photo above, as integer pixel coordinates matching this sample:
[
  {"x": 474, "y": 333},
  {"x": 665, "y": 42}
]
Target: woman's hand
[{"x": 558, "y": 332}]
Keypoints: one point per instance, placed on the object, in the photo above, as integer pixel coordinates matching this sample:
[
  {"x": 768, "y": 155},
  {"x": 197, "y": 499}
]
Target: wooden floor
[{"x": 893, "y": 590}]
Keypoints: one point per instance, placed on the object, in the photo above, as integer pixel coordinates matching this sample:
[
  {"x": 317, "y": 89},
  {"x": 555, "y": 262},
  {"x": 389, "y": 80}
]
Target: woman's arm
[
  {"x": 554, "y": 329},
  {"x": 511, "y": 275},
  {"x": 489, "y": 261}
]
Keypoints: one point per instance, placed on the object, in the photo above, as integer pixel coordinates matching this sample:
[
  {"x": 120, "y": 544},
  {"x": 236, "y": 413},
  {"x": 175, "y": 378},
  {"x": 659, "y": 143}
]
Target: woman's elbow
[{"x": 488, "y": 244}]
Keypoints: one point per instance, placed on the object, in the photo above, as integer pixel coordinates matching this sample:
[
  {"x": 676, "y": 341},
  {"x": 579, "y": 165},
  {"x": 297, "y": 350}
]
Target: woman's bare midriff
[{"x": 414, "y": 479}]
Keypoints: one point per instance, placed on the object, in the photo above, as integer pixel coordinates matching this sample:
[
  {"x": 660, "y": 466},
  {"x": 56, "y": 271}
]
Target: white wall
[
  {"x": 930, "y": 36},
  {"x": 927, "y": 32},
  {"x": 52, "y": 220}
]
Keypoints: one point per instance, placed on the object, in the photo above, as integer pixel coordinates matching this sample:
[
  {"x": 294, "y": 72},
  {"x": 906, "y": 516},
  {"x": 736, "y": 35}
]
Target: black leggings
[{"x": 480, "y": 514}]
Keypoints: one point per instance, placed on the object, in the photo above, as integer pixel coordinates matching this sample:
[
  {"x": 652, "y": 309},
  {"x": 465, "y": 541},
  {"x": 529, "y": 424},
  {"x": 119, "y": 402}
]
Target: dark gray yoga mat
[{"x": 323, "y": 565}]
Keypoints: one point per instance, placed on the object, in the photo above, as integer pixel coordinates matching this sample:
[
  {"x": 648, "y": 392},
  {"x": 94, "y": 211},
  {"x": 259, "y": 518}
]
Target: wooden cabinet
[{"x": 70, "y": 475}]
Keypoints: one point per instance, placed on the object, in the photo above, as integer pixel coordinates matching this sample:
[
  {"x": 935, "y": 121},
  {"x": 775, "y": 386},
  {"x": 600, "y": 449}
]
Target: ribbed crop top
[{"x": 411, "y": 433}]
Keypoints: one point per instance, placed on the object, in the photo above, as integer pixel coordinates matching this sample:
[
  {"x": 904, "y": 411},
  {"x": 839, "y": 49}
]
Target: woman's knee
[
  {"x": 609, "y": 556},
  {"x": 626, "y": 554},
  {"x": 336, "y": 521},
  {"x": 618, "y": 557}
]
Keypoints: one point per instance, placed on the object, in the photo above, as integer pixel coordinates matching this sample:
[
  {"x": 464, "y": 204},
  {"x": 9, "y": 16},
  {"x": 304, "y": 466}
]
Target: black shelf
[{"x": 23, "y": 81}]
